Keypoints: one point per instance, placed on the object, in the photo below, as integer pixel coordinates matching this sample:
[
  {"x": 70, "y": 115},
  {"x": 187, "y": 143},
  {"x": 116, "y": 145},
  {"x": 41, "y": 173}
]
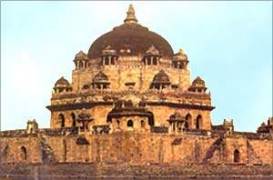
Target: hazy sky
[{"x": 229, "y": 44}]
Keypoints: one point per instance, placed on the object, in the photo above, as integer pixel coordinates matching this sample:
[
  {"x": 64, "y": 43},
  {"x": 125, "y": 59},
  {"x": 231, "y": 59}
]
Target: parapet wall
[{"x": 136, "y": 148}]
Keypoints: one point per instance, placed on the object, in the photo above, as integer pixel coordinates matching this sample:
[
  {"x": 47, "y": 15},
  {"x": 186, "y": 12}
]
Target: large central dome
[{"x": 131, "y": 36}]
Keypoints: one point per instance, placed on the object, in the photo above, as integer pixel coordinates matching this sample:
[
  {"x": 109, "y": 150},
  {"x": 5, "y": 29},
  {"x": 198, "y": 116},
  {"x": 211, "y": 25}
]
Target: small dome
[
  {"x": 62, "y": 82},
  {"x": 198, "y": 84},
  {"x": 81, "y": 56},
  {"x": 181, "y": 56},
  {"x": 161, "y": 78},
  {"x": 100, "y": 77}
]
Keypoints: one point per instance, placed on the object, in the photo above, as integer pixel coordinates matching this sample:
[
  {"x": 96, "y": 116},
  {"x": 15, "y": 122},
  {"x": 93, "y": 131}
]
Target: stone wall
[
  {"x": 131, "y": 69},
  {"x": 60, "y": 171},
  {"x": 161, "y": 115},
  {"x": 137, "y": 148}
]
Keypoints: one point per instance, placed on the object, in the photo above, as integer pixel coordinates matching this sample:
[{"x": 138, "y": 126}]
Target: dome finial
[{"x": 130, "y": 18}]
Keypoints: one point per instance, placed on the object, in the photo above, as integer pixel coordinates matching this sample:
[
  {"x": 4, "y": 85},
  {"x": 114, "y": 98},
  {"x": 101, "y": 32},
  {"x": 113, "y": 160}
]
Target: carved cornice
[
  {"x": 170, "y": 93},
  {"x": 182, "y": 105},
  {"x": 74, "y": 106},
  {"x": 88, "y": 105}
]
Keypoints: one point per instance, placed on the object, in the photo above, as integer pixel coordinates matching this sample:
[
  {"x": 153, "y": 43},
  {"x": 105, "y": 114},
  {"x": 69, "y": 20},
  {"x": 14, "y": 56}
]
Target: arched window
[
  {"x": 186, "y": 126},
  {"x": 130, "y": 123},
  {"x": 62, "y": 120},
  {"x": 73, "y": 117},
  {"x": 142, "y": 123},
  {"x": 23, "y": 153},
  {"x": 188, "y": 121},
  {"x": 80, "y": 65},
  {"x": 118, "y": 123},
  {"x": 107, "y": 60},
  {"x": 236, "y": 156},
  {"x": 198, "y": 122}
]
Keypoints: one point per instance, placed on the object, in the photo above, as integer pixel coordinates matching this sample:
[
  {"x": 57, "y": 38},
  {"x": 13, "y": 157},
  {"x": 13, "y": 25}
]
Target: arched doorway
[
  {"x": 23, "y": 153},
  {"x": 236, "y": 156},
  {"x": 130, "y": 124}
]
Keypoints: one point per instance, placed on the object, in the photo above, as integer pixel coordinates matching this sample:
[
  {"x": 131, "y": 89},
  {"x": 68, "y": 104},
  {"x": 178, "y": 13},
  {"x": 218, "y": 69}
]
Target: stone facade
[
  {"x": 139, "y": 148},
  {"x": 131, "y": 100}
]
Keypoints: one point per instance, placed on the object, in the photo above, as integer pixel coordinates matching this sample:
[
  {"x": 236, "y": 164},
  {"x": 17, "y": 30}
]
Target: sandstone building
[{"x": 131, "y": 100}]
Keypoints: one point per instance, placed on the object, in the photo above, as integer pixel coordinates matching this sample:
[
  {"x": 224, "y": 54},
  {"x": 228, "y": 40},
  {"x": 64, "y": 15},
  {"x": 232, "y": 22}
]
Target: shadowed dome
[
  {"x": 198, "y": 82},
  {"x": 81, "y": 56},
  {"x": 62, "y": 82},
  {"x": 131, "y": 38}
]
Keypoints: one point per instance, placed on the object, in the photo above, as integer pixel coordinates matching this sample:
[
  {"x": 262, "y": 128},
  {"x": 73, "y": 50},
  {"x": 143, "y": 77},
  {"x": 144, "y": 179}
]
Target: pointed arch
[
  {"x": 130, "y": 123},
  {"x": 73, "y": 118},
  {"x": 80, "y": 64},
  {"x": 23, "y": 153},
  {"x": 188, "y": 121},
  {"x": 61, "y": 120},
  {"x": 236, "y": 156},
  {"x": 198, "y": 122}
]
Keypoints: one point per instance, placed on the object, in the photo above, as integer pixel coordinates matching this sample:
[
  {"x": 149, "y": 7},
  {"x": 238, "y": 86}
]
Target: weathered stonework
[{"x": 126, "y": 105}]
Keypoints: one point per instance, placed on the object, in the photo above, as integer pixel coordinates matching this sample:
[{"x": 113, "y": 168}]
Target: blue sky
[{"x": 229, "y": 44}]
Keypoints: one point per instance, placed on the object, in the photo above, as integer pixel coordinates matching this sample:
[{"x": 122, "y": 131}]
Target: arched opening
[
  {"x": 5, "y": 153},
  {"x": 80, "y": 65},
  {"x": 118, "y": 123},
  {"x": 106, "y": 60},
  {"x": 61, "y": 120},
  {"x": 188, "y": 121},
  {"x": 151, "y": 121},
  {"x": 73, "y": 117},
  {"x": 142, "y": 124},
  {"x": 236, "y": 156},
  {"x": 186, "y": 126},
  {"x": 198, "y": 122},
  {"x": 23, "y": 153},
  {"x": 130, "y": 123},
  {"x": 65, "y": 150}
]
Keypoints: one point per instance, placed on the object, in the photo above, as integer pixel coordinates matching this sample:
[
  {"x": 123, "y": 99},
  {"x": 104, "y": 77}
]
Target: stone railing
[
  {"x": 46, "y": 131},
  {"x": 14, "y": 133}
]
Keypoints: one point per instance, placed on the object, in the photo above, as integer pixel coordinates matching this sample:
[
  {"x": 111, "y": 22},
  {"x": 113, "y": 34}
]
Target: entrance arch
[
  {"x": 130, "y": 123},
  {"x": 236, "y": 156},
  {"x": 23, "y": 153}
]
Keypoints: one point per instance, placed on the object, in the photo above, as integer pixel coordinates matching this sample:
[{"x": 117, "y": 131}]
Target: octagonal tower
[{"x": 131, "y": 79}]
